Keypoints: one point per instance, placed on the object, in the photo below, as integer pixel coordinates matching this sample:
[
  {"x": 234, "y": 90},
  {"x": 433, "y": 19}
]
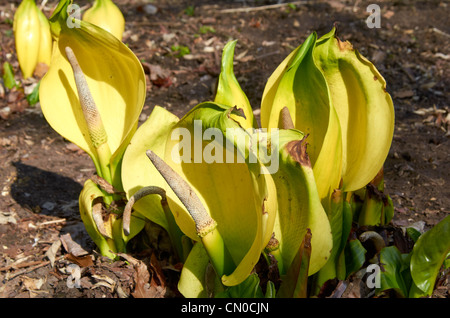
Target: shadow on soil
[{"x": 43, "y": 191}]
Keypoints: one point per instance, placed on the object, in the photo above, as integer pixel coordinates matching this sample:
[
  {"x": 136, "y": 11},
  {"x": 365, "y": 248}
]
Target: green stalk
[
  {"x": 117, "y": 235},
  {"x": 107, "y": 248},
  {"x": 218, "y": 253},
  {"x": 104, "y": 154}
]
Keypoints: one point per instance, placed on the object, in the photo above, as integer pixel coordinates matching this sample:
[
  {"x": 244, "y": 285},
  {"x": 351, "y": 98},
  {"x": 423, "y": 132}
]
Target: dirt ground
[{"x": 41, "y": 174}]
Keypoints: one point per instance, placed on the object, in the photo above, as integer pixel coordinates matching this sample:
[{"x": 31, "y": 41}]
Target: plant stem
[
  {"x": 218, "y": 253},
  {"x": 104, "y": 154}
]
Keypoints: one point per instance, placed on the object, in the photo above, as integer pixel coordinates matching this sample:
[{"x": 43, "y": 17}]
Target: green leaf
[
  {"x": 249, "y": 288},
  {"x": 230, "y": 187},
  {"x": 152, "y": 134},
  {"x": 355, "y": 255},
  {"x": 33, "y": 98},
  {"x": 295, "y": 282},
  {"x": 299, "y": 205},
  {"x": 428, "y": 255},
  {"x": 372, "y": 208},
  {"x": 206, "y": 29},
  {"x": 195, "y": 277},
  {"x": 395, "y": 272},
  {"x": 300, "y": 86},
  {"x": 346, "y": 228},
  {"x": 270, "y": 290},
  {"x": 229, "y": 92},
  {"x": 413, "y": 233},
  {"x": 180, "y": 50},
  {"x": 336, "y": 217},
  {"x": 87, "y": 198},
  {"x": 8, "y": 76},
  {"x": 190, "y": 11}
]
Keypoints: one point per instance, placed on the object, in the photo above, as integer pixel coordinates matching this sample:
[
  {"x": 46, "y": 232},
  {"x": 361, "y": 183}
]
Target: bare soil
[{"x": 41, "y": 174}]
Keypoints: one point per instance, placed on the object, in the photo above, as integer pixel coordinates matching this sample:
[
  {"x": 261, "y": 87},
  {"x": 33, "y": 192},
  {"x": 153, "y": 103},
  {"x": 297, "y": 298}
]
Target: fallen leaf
[
  {"x": 141, "y": 278},
  {"x": 33, "y": 286},
  {"x": 158, "y": 76},
  {"x": 388, "y": 14},
  {"x": 51, "y": 252},
  {"x": 268, "y": 43},
  {"x": 74, "y": 148},
  {"x": 336, "y": 5},
  {"x": 32, "y": 283},
  {"x": 40, "y": 70},
  {"x": 82, "y": 261},
  {"x": 7, "y": 217},
  {"x": 378, "y": 57},
  {"x": 157, "y": 273},
  {"x": 5, "y": 112},
  {"x": 148, "y": 283},
  {"x": 404, "y": 94},
  {"x": 104, "y": 281},
  {"x": 121, "y": 293},
  {"x": 71, "y": 246}
]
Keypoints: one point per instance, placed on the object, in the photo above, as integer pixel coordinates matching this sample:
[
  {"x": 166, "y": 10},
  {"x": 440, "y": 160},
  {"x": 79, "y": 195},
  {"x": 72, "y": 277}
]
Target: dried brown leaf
[
  {"x": 51, "y": 252},
  {"x": 404, "y": 94},
  {"x": 82, "y": 261},
  {"x": 71, "y": 246},
  {"x": 149, "y": 283}
]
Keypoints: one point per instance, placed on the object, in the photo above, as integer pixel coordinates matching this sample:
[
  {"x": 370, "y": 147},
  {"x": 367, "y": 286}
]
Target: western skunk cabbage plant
[
  {"x": 339, "y": 99},
  {"x": 92, "y": 95},
  {"x": 226, "y": 191},
  {"x": 327, "y": 90}
]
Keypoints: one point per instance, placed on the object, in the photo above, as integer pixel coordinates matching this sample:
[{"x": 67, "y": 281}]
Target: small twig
[
  {"x": 261, "y": 8},
  {"x": 441, "y": 32},
  {"x": 37, "y": 264},
  {"x": 51, "y": 222},
  {"x": 340, "y": 289},
  {"x": 17, "y": 266},
  {"x": 43, "y": 3},
  {"x": 263, "y": 56}
]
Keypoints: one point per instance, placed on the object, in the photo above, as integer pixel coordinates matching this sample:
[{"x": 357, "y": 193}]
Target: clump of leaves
[
  {"x": 8, "y": 76},
  {"x": 180, "y": 50},
  {"x": 204, "y": 29},
  {"x": 189, "y": 11}
]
